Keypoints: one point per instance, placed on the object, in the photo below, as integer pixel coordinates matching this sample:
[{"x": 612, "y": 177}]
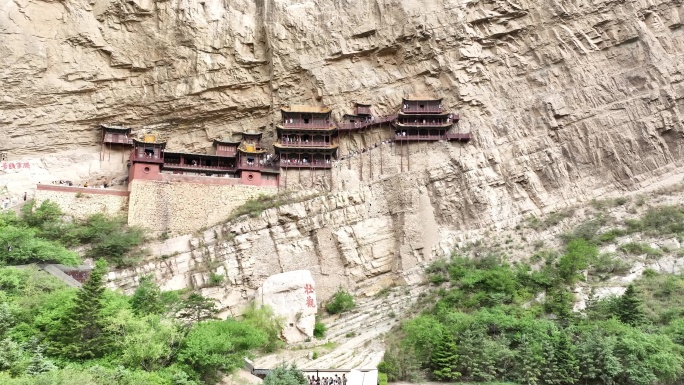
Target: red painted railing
[
  {"x": 299, "y": 123},
  {"x": 315, "y": 164},
  {"x": 418, "y": 110},
  {"x": 368, "y": 123},
  {"x": 191, "y": 167},
  {"x": 305, "y": 144},
  {"x": 408, "y": 137},
  {"x": 426, "y": 123},
  {"x": 149, "y": 159}
]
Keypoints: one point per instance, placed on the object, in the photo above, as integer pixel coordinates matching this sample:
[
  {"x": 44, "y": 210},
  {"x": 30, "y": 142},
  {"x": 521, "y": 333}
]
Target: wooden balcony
[
  {"x": 197, "y": 168},
  {"x": 459, "y": 137},
  {"x": 424, "y": 124},
  {"x": 255, "y": 166},
  {"x": 434, "y": 138},
  {"x": 300, "y": 144},
  {"x": 146, "y": 159},
  {"x": 110, "y": 138},
  {"x": 312, "y": 124},
  {"x": 419, "y": 138},
  {"x": 422, "y": 110},
  {"x": 370, "y": 123},
  {"x": 315, "y": 164}
]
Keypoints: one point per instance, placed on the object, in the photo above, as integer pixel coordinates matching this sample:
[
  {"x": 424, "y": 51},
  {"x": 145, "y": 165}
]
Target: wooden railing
[
  {"x": 424, "y": 124},
  {"x": 299, "y": 123},
  {"x": 299, "y": 164},
  {"x": 117, "y": 140},
  {"x": 360, "y": 125},
  {"x": 460, "y": 137},
  {"x": 305, "y": 144},
  {"x": 418, "y": 110},
  {"x": 409, "y": 137},
  {"x": 197, "y": 167},
  {"x": 144, "y": 158}
]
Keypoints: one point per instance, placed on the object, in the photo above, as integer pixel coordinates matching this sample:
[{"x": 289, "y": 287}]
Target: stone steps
[{"x": 59, "y": 274}]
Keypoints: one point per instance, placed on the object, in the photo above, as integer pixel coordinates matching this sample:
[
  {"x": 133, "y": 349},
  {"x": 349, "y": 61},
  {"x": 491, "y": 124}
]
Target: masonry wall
[
  {"x": 80, "y": 202},
  {"x": 186, "y": 206}
]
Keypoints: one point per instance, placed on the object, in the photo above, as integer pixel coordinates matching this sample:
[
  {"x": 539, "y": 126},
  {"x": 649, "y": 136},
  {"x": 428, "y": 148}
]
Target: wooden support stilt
[
  {"x": 370, "y": 157},
  {"x": 349, "y": 149},
  {"x": 408, "y": 156},
  {"x": 361, "y": 165},
  {"x": 380, "y": 159},
  {"x": 401, "y": 155}
]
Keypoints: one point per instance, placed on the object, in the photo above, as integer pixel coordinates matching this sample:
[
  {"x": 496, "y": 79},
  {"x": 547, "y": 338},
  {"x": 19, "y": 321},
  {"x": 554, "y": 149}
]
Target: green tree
[
  {"x": 340, "y": 302},
  {"x": 81, "y": 334},
  {"x": 264, "y": 318},
  {"x": 197, "y": 308},
  {"x": 561, "y": 366},
  {"x": 444, "y": 361},
  {"x": 39, "y": 364},
  {"x": 149, "y": 342},
  {"x": 284, "y": 375},
  {"x": 147, "y": 298},
  {"x": 213, "y": 346},
  {"x": 630, "y": 308},
  {"x": 577, "y": 255},
  {"x": 21, "y": 245}
]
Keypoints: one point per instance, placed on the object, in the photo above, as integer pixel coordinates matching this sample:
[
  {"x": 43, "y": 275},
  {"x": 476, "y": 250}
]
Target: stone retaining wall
[
  {"x": 182, "y": 207},
  {"x": 81, "y": 202}
]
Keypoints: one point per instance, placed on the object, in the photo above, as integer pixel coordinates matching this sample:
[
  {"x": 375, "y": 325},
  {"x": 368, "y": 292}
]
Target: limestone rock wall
[{"x": 566, "y": 101}]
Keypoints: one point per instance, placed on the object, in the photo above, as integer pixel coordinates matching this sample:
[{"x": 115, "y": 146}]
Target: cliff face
[{"x": 566, "y": 99}]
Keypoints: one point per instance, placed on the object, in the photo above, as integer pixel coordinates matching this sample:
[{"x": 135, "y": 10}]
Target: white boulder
[{"x": 292, "y": 296}]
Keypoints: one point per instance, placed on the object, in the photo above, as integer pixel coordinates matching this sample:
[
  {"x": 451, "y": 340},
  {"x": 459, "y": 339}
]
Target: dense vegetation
[
  {"x": 41, "y": 234},
  {"x": 490, "y": 324},
  {"x": 52, "y": 334},
  {"x": 494, "y": 321}
]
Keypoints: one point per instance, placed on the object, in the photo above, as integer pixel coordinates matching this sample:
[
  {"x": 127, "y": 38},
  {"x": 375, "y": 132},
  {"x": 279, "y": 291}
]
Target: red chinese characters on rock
[
  {"x": 308, "y": 289},
  {"x": 14, "y": 165}
]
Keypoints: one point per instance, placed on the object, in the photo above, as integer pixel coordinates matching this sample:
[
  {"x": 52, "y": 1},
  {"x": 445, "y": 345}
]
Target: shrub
[
  {"x": 340, "y": 302},
  {"x": 635, "y": 248},
  {"x": 319, "y": 329},
  {"x": 216, "y": 279},
  {"x": 606, "y": 263}
]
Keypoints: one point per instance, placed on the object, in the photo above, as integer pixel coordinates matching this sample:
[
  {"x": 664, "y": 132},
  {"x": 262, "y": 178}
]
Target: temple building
[
  {"x": 307, "y": 138},
  {"x": 425, "y": 119},
  {"x": 254, "y": 165},
  {"x": 360, "y": 119},
  {"x": 116, "y": 135},
  {"x": 146, "y": 158},
  {"x": 243, "y": 162}
]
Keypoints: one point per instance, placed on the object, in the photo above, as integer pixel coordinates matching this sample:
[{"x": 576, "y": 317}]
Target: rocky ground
[{"x": 353, "y": 339}]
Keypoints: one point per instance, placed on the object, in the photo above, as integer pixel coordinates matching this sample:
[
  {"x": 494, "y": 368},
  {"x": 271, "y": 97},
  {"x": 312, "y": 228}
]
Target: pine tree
[
  {"x": 147, "y": 297},
  {"x": 81, "y": 333},
  {"x": 197, "y": 308},
  {"x": 444, "y": 360},
  {"x": 630, "y": 308},
  {"x": 564, "y": 361},
  {"x": 39, "y": 364}
]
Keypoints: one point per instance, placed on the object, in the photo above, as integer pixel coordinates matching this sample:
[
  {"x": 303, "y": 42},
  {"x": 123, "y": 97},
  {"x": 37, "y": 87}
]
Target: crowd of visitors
[{"x": 324, "y": 380}]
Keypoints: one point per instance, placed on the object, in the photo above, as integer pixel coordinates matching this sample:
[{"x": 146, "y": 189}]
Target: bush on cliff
[{"x": 340, "y": 302}]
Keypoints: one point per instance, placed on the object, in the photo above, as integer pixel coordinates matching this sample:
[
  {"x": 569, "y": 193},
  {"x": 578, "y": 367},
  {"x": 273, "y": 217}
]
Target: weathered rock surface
[
  {"x": 566, "y": 101},
  {"x": 292, "y": 296}
]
